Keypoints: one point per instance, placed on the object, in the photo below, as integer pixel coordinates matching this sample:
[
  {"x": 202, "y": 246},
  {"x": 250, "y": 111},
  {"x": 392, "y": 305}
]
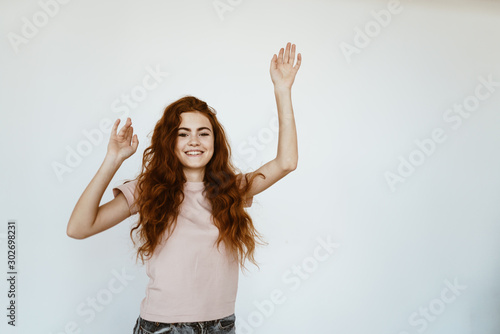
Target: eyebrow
[{"x": 199, "y": 129}]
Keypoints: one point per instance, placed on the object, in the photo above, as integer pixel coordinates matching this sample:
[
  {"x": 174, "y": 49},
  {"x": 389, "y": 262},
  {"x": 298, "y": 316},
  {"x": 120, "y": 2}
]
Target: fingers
[
  {"x": 115, "y": 126},
  {"x": 135, "y": 142},
  {"x": 128, "y": 133},
  {"x": 130, "y": 138},
  {"x": 274, "y": 64},
  {"x": 292, "y": 55},
  {"x": 287, "y": 56},
  {"x": 280, "y": 57},
  {"x": 286, "y": 60},
  {"x": 125, "y": 128},
  {"x": 299, "y": 61}
]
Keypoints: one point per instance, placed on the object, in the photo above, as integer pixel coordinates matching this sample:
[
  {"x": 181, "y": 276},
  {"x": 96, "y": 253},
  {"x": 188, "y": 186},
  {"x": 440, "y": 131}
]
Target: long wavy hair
[{"x": 160, "y": 183}]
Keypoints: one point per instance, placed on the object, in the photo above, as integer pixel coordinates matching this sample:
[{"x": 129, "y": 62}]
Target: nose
[{"x": 194, "y": 141}]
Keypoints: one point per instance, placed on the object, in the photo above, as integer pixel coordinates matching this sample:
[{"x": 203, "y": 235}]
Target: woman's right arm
[{"x": 88, "y": 218}]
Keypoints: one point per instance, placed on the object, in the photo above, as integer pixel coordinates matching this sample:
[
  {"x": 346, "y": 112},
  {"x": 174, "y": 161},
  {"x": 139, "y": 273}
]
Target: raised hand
[
  {"x": 282, "y": 70},
  {"x": 120, "y": 146}
]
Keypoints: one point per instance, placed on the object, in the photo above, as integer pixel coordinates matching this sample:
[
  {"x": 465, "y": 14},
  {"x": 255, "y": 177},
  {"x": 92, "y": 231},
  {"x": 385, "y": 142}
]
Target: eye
[
  {"x": 182, "y": 134},
  {"x": 205, "y": 134}
]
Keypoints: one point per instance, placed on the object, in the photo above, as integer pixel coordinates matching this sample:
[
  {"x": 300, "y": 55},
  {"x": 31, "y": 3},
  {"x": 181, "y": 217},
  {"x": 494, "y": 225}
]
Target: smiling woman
[{"x": 193, "y": 229}]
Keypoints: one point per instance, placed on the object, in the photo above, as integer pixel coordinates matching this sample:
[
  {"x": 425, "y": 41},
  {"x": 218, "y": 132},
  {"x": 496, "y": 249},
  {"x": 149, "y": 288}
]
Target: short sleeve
[{"x": 128, "y": 190}]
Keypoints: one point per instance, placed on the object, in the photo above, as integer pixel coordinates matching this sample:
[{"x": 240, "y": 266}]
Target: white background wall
[{"x": 358, "y": 117}]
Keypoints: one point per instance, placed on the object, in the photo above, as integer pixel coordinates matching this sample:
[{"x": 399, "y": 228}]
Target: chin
[{"x": 195, "y": 165}]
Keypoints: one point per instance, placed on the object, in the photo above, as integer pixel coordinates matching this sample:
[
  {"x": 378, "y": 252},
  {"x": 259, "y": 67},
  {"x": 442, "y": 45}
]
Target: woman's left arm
[
  {"x": 283, "y": 75},
  {"x": 287, "y": 155}
]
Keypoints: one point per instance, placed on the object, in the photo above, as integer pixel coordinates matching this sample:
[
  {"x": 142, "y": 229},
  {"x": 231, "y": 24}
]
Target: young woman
[{"x": 192, "y": 225}]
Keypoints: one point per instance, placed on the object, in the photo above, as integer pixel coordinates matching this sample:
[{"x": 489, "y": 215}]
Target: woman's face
[{"x": 195, "y": 134}]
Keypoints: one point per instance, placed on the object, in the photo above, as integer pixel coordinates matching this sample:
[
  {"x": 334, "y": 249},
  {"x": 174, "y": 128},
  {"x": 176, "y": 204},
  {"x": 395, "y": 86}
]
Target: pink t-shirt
[{"x": 190, "y": 279}]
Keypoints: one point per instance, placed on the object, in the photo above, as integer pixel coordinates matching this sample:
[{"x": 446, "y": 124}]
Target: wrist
[
  {"x": 112, "y": 160},
  {"x": 282, "y": 89}
]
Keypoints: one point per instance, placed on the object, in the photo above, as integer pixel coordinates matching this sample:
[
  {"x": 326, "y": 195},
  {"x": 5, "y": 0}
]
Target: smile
[{"x": 194, "y": 153}]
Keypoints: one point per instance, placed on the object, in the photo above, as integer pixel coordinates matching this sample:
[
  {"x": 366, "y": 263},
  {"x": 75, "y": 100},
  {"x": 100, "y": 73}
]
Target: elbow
[
  {"x": 291, "y": 166},
  {"x": 287, "y": 165},
  {"x": 74, "y": 234}
]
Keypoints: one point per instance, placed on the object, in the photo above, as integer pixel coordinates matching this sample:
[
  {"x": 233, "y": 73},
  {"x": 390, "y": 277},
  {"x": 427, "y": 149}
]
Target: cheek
[
  {"x": 178, "y": 150},
  {"x": 209, "y": 143},
  {"x": 180, "y": 144}
]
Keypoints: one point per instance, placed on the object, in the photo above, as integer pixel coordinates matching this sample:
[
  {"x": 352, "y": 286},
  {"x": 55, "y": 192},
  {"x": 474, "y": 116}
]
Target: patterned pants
[{"x": 220, "y": 326}]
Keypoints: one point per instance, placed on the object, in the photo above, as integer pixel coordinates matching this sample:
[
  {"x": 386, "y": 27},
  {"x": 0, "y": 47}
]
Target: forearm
[
  {"x": 85, "y": 211},
  {"x": 287, "y": 139}
]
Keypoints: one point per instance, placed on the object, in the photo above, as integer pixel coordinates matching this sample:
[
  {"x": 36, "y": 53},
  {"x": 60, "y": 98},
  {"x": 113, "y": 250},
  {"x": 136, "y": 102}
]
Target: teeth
[{"x": 194, "y": 153}]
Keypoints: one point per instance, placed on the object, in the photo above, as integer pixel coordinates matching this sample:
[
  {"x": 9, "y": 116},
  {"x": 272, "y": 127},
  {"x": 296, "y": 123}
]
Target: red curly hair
[{"x": 160, "y": 184}]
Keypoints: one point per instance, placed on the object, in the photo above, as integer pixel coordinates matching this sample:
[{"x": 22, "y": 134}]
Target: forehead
[{"x": 194, "y": 120}]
